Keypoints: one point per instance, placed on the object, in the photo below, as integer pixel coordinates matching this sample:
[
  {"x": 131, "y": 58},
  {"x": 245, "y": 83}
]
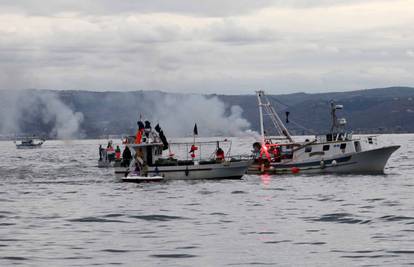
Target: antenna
[{"x": 336, "y": 123}]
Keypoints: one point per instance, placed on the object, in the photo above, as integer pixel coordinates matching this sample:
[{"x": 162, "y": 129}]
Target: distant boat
[
  {"x": 29, "y": 143},
  {"x": 336, "y": 152}
]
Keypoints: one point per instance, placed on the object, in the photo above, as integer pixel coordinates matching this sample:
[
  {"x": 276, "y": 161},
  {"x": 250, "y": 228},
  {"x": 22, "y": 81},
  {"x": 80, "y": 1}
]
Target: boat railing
[
  {"x": 199, "y": 161},
  {"x": 240, "y": 157}
]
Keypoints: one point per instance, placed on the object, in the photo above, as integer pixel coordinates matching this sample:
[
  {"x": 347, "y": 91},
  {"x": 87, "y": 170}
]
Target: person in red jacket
[
  {"x": 219, "y": 154},
  {"x": 117, "y": 153}
]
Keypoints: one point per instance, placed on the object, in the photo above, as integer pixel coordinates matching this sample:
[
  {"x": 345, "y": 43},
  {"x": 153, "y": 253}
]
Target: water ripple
[
  {"x": 156, "y": 217},
  {"x": 173, "y": 256}
]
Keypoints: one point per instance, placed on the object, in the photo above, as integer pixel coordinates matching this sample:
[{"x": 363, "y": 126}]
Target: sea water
[{"x": 58, "y": 209}]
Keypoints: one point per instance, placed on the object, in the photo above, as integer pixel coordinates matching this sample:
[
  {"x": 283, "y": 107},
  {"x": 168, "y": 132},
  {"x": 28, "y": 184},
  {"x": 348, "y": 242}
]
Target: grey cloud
[
  {"x": 230, "y": 31},
  {"x": 193, "y": 7},
  {"x": 223, "y": 55}
]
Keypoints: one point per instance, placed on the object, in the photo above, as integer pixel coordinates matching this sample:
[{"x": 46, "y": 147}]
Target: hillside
[{"x": 384, "y": 110}]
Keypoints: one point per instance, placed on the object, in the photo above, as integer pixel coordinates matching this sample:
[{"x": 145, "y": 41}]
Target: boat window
[
  {"x": 370, "y": 140},
  {"x": 343, "y": 146},
  {"x": 326, "y": 147},
  {"x": 308, "y": 149}
]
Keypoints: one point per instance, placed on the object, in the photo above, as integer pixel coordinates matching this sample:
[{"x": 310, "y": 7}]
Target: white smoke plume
[
  {"x": 26, "y": 107},
  {"x": 177, "y": 115},
  {"x": 66, "y": 122}
]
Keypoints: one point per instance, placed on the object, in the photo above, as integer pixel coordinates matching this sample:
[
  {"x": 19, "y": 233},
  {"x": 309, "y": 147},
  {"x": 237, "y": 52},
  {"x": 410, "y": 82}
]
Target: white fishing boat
[
  {"x": 29, "y": 143},
  {"x": 148, "y": 160},
  {"x": 336, "y": 152}
]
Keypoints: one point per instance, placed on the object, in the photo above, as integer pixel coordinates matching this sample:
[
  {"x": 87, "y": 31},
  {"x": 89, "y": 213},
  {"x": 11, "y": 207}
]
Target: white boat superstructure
[{"x": 335, "y": 152}]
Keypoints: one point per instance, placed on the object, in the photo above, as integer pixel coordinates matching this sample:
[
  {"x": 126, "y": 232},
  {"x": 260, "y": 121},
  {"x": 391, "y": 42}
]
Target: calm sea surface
[{"x": 58, "y": 209}]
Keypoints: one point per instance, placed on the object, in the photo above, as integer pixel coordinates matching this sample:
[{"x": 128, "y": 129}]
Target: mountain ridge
[{"x": 378, "y": 110}]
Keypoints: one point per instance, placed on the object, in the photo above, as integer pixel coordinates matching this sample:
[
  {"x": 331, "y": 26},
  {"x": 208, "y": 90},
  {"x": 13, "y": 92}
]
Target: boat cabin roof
[{"x": 334, "y": 137}]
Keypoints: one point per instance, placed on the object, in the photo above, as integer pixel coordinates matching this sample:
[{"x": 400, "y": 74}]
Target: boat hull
[
  {"x": 109, "y": 164},
  {"x": 225, "y": 170},
  {"x": 28, "y": 146},
  {"x": 142, "y": 179},
  {"x": 370, "y": 161}
]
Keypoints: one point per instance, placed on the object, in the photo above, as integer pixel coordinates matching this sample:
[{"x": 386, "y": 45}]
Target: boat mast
[
  {"x": 270, "y": 111},
  {"x": 259, "y": 100}
]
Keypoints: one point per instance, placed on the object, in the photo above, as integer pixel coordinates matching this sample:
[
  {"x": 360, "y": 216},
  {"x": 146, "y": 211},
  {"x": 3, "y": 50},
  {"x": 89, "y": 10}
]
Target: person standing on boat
[
  {"x": 140, "y": 132},
  {"x": 145, "y": 169},
  {"x": 110, "y": 151},
  {"x": 117, "y": 153},
  {"x": 100, "y": 152},
  {"x": 219, "y": 154},
  {"x": 137, "y": 170},
  {"x": 126, "y": 157}
]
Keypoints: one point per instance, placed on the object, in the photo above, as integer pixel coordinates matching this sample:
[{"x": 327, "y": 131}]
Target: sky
[{"x": 198, "y": 46}]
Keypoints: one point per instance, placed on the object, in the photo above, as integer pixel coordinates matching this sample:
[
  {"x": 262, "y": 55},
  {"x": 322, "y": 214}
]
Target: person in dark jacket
[
  {"x": 126, "y": 157},
  {"x": 100, "y": 152}
]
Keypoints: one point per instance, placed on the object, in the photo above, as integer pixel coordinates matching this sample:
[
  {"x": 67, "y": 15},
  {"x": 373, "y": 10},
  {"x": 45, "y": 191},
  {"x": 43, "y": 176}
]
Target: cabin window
[
  {"x": 308, "y": 149},
  {"x": 343, "y": 146},
  {"x": 329, "y": 137},
  {"x": 326, "y": 147},
  {"x": 370, "y": 140},
  {"x": 357, "y": 146}
]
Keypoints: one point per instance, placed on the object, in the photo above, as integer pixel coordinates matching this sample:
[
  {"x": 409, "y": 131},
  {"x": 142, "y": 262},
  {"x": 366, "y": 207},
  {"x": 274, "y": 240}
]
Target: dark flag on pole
[{"x": 195, "y": 129}]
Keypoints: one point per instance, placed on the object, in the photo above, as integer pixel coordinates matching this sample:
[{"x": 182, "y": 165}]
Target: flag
[{"x": 195, "y": 131}]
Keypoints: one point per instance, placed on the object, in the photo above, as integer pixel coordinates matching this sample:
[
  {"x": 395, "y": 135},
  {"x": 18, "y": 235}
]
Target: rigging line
[
  {"x": 278, "y": 101},
  {"x": 272, "y": 118},
  {"x": 303, "y": 127},
  {"x": 285, "y": 131},
  {"x": 288, "y": 106}
]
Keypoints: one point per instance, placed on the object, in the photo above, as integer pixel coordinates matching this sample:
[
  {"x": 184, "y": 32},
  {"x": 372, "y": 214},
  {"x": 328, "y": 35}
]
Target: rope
[{"x": 292, "y": 121}]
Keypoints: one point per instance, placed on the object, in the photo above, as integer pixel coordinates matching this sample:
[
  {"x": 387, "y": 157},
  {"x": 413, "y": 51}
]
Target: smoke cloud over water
[
  {"x": 66, "y": 122},
  {"x": 77, "y": 114},
  {"x": 21, "y": 110},
  {"x": 177, "y": 114}
]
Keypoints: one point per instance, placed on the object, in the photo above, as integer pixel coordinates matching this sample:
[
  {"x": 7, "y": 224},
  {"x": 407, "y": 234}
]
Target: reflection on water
[
  {"x": 266, "y": 179},
  {"x": 57, "y": 208}
]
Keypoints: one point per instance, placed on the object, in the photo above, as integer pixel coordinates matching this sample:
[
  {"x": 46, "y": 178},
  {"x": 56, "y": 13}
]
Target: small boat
[
  {"x": 335, "y": 152},
  {"x": 135, "y": 178},
  {"x": 29, "y": 143},
  {"x": 107, "y": 156},
  {"x": 149, "y": 163}
]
